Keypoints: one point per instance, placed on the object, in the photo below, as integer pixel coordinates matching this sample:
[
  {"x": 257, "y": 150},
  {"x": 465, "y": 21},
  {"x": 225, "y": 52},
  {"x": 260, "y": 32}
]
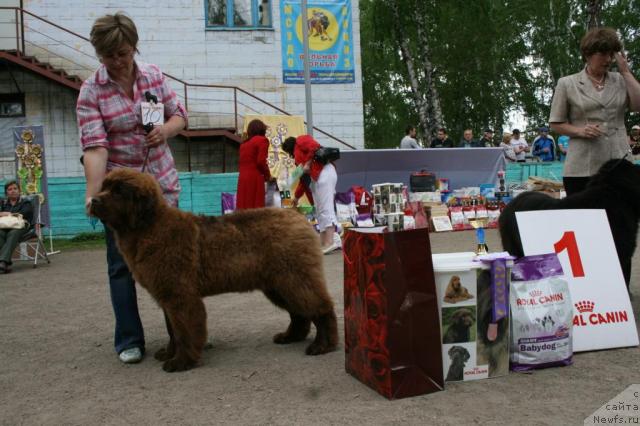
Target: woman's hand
[
  {"x": 591, "y": 131},
  {"x": 156, "y": 137},
  {"x": 87, "y": 205},
  {"x": 621, "y": 60}
]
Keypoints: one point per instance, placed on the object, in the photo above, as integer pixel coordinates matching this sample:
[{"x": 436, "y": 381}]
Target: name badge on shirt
[{"x": 152, "y": 113}]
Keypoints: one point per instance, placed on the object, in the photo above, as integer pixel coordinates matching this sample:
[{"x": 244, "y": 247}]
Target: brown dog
[
  {"x": 458, "y": 331},
  {"x": 455, "y": 292},
  {"x": 180, "y": 258}
]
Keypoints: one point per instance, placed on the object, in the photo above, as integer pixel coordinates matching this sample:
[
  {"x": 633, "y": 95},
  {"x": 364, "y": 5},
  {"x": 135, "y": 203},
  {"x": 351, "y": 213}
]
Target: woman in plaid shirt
[{"x": 112, "y": 135}]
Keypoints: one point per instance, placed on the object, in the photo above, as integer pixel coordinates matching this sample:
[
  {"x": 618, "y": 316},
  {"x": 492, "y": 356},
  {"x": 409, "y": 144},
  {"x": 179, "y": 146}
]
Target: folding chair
[{"x": 31, "y": 246}]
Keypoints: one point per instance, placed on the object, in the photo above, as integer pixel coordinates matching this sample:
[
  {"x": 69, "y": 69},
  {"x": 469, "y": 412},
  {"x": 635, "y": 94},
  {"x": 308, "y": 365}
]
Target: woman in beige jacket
[{"x": 589, "y": 107}]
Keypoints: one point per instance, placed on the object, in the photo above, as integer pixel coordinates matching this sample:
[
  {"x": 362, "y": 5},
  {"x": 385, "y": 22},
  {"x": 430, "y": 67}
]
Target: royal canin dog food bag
[{"x": 541, "y": 314}]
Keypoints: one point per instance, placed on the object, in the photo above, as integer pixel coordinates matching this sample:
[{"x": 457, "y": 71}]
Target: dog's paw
[
  {"x": 319, "y": 349},
  {"x": 174, "y": 365},
  {"x": 286, "y": 337},
  {"x": 163, "y": 354}
]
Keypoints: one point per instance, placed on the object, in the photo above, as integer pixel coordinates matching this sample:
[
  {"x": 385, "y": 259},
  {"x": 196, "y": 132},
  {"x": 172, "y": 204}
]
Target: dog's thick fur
[
  {"x": 455, "y": 291},
  {"x": 459, "y": 357},
  {"x": 615, "y": 188},
  {"x": 180, "y": 258},
  {"x": 458, "y": 332}
]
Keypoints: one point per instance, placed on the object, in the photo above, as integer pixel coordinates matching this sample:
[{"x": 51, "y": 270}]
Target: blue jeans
[{"x": 129, "y": 333}]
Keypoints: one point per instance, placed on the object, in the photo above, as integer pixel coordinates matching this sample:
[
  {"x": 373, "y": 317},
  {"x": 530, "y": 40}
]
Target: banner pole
[{"x": 307, "y": 73}]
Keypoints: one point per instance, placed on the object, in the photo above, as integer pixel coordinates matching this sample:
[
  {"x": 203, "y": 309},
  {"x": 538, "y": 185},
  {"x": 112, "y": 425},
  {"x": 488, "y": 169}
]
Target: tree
[{"x": 461, "y": 64}]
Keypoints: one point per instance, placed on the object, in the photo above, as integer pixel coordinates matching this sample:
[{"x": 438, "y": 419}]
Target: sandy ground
[{"x": 58, "y": 366}]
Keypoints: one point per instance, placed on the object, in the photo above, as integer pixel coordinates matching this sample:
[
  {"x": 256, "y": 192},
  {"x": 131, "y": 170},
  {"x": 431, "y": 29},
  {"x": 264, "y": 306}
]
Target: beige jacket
[{"x": 577, "y": 102}]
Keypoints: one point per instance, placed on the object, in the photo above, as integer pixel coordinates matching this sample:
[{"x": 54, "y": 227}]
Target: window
[
  {"x": 238, "y": 14},
  {"x": 12, "y": 105}
]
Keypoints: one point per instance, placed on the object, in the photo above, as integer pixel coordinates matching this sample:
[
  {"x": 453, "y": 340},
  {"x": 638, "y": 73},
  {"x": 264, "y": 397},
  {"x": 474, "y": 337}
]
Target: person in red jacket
[
  {"x": 320, "y": 180},
  {"x": 252, "y": 167}
]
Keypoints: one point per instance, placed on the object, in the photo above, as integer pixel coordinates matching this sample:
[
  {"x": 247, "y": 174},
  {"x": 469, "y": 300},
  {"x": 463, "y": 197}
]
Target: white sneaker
[
  {"x": 333, "y": 247},
  {"x": 131, "y": 355}
]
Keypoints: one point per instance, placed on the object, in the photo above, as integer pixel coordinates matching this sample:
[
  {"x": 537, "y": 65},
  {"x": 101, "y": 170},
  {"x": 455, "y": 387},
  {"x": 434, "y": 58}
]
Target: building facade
[{"x": 234, "y": 44}]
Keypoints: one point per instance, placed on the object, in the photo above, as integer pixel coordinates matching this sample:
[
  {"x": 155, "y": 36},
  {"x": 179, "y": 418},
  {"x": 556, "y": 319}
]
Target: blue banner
[{"x": 330, "y": 41}]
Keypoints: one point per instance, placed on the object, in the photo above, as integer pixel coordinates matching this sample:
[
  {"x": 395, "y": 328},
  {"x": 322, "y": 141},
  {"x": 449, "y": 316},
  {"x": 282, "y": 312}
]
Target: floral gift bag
[{"x": 392, "y": 329}]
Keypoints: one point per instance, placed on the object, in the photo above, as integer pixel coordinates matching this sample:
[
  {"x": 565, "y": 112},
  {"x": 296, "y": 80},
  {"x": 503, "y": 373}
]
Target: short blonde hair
[
  {"x": 506, "y": 137},
  {"x": 109, "y": 32}
]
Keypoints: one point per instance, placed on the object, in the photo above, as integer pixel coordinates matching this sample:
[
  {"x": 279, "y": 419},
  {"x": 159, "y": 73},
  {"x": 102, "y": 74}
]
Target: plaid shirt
[{"x": 108, "y": 118}]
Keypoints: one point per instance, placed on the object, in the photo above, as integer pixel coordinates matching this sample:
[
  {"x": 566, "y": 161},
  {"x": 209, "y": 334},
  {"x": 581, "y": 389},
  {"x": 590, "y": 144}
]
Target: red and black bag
[
  {"x": 391, "y": 317},
  {"x": 422, "y": 181}
]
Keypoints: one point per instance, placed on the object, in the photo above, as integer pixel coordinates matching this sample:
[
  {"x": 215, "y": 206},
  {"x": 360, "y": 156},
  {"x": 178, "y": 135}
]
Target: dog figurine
[
  {"x": 459, "y": 357},
  {"x": 615, "y": 188},
  {"x": 180, "y": 258},
  {"x": 455, "y": 292},
  {"x": 458, "y": 332}
]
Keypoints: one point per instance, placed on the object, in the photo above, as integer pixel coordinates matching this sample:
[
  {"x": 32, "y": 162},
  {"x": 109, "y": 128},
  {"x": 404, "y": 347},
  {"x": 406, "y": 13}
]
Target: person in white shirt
[
  {"x": 519, "y": 145},
  {"x": 409, "y": 141}
]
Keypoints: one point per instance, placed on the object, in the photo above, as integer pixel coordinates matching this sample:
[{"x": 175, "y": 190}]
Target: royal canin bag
[
  {"x": 541, "y": 314},
  {"x": 14, "y": 221}
]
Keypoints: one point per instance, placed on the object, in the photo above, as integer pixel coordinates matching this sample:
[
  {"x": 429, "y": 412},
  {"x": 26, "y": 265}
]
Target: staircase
[
  {"x": 42, "y": 68},
  {"x": 60, "y": 55}
]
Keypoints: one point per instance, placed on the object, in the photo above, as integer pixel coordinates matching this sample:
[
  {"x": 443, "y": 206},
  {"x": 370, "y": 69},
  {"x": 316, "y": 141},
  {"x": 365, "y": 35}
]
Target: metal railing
[{"x": 208, "y": 105}]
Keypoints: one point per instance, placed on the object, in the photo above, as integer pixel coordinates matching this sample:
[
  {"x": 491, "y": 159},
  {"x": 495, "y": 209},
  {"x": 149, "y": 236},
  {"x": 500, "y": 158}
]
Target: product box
[
  {"x": 474, "y": 317},
  {"x": 387, "y": 199}
]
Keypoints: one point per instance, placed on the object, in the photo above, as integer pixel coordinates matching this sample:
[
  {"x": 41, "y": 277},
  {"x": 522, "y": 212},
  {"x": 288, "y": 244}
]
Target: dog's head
[
  {"x": 619, "y": 174},
  {"x": 459, "y": 353},
  {"x": 127, "y": 201},
  {"x": 462, "y": 318},
  {"x": 455, "y": 282}
]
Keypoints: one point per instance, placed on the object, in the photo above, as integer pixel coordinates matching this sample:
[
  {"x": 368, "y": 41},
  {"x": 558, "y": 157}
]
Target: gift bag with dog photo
[
  {"x": 474, "y": 303},
  {"x": 392, "y": 337}
]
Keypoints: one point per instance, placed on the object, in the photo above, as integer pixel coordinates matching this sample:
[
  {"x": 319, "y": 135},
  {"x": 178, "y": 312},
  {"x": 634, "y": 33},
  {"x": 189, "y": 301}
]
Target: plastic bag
[{"x": 541, "y": 314}]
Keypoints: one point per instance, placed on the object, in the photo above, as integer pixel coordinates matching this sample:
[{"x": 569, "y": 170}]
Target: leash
[{"x": 148, "y": 127}]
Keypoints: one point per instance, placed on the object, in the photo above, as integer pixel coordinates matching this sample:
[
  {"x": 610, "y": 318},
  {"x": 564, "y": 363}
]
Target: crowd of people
[{"x": 543, "y": 147}]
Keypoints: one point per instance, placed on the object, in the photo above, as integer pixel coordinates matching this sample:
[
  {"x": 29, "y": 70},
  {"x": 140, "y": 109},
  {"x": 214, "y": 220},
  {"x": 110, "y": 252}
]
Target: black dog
[
  {"x": 615, "y": 188},
  {"x": 459, "y": 356},
  {"x": 458, "y": 332}
]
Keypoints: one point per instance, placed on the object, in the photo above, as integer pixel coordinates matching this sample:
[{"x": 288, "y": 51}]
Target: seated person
[
  {"x": 519, "y": 145},
  {"x": 544, "y": 146},
  {"x": 9, "y": 238},
  {"x": 468, "y": 141},
  {"x": 507, "y": 149},
  {"x": 442, "y": 140}
]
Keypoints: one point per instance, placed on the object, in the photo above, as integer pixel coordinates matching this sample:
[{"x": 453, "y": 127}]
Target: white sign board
[
  {"x": 152, "y": 113},
  {"x": 603, "y": 317}
]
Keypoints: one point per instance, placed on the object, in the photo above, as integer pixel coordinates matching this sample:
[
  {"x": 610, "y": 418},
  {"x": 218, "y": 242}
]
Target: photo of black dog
[
  {"x": 458, "y": 323},
  {"x": 615, "y": 188},
  {"x": 494, "y": 353},
  {"x": 459, "y": 356}
]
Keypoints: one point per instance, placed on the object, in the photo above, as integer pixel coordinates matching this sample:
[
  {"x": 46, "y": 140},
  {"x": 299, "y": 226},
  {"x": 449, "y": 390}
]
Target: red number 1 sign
[
  {"x": 568, "y": 242},
  {"x": 603, "y": 317}
]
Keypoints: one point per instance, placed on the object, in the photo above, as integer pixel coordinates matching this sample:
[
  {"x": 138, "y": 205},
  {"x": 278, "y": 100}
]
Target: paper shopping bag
[{"x": 392, "y": 329}]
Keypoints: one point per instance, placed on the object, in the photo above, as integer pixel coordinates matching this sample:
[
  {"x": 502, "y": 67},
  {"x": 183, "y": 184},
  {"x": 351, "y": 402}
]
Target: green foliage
[
  {"x": 82, "y": 241},
  {"x": 490, "y": 58}
]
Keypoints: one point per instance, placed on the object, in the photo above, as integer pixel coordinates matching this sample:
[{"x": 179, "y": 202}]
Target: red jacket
[
  {"x": 253, "y": 172},
  {"x": 303, "y": 152}
]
